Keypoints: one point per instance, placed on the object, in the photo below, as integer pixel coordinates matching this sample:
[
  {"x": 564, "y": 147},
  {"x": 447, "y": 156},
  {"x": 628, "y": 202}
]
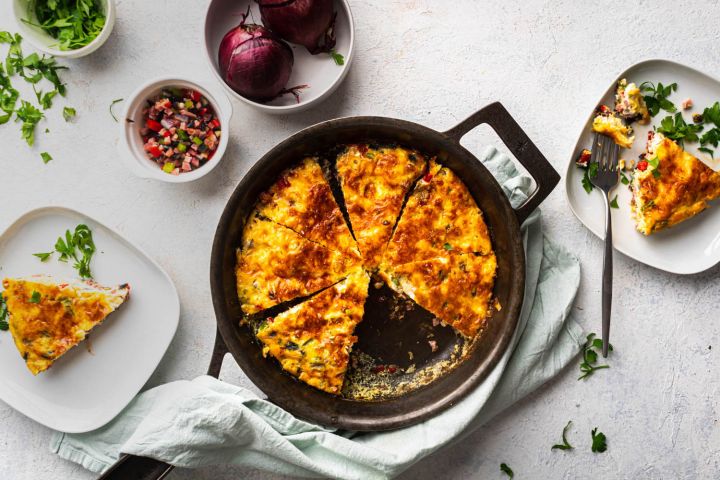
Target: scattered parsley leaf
[
  {"x": 599, "y": 442},
  {"x": 111, "y": 107},
  {"x": 30, "y": 116},
  {"x": 78, "y": 246},
  {"x": 711, "y": 115},
  {"x": 506, "y": 470},
  {"x": 613, "y": 203},
  {"x": 337, "y": 58},
  {"x": 35, "y": 297},
  {"x": 447, "y": 247},
  {"x": 624, "y": 178},
  {"x": 68, "y": 113},
  {"x": 676, "y": 129},
  {"x": 590, "y": 172},
  {"x": 565, "y": 445},
  {"x": 657, "y": 98},
  {"x": 43, "y": 256},
  {"x": 45, "y": 157},
  {"x": 3, "y": 309},
  {"x": 590, "y": 356}
]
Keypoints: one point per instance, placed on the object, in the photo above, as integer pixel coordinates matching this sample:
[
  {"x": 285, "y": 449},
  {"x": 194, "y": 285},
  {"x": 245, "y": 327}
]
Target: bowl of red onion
[
  {"x": 279, "y": 56},
  {"x": 175, "y": 129}
]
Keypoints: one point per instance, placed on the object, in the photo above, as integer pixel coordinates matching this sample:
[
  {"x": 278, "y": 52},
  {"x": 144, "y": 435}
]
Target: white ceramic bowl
[
  {"x": 133, "y": 120},
  {"x": 319, "y": 72},
  {"x": 45, "y": 43}
]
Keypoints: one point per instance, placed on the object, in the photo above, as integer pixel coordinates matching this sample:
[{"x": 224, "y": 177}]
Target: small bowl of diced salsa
[{"x": 176, "y": 130}]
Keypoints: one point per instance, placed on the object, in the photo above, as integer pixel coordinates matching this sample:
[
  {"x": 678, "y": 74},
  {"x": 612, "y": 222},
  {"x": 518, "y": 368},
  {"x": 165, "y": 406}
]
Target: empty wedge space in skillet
[
  {"x": 313, "y": 339},
  {"x": 440, "y": 216},
  {"x": 456, "y": 288},
  {"x": 374, "y": 184},
  {"x": 275, "y": 265},
  {"x": 302, "y": 200}
]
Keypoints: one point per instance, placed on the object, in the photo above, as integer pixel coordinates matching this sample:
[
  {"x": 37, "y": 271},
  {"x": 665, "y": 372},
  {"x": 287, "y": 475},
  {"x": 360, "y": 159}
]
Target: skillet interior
[{"x": 417, "y": 404}]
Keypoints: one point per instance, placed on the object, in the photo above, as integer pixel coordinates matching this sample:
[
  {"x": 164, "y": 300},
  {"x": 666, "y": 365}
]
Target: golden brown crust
[
  {"x": 276, "y": 265},
  {"x": 312, "y": 340},
  {"x": 456, "y": 288},
  {"x": 440, "y": 216},
  {"x": 679, "y": 191},
  {"x": 301, "y": 199},
  {"x": 58, "y": 318},
  {"x": 375, "y": 182}
]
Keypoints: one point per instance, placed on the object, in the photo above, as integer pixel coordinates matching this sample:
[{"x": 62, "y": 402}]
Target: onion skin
[
  {"x": 310, "y": 23},
  {"x": 255, "y": 62}
]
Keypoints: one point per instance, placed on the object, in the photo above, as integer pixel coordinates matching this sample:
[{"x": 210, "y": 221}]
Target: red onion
[
  {"x": 310, "y": 23},
  {"x": 255, "y": 62}
]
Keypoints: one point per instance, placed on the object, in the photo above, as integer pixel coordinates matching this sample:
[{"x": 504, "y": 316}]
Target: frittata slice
[
  {"x": 312, "y": 340},
  {"x": 440, "y": 216},
  {"x": 670, "y": 185},
  {"x": 48, "y": 317},
  {"x": 275, "y": 265},
  {"x": 456, "y": 288},
  {"x": 302, "y": 200},
  {"x": 375, "y": 182}
]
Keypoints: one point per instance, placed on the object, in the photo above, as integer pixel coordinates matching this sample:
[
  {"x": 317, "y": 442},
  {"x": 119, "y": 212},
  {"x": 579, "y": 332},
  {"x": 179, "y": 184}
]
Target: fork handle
[{"x": 607, "y": 278}]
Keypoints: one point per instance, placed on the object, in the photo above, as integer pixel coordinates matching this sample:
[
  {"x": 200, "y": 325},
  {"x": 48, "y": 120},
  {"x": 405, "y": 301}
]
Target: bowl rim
[
  {"x": 29, "y": 33},
  {"x": 143, "y": 167},
  {"x": 295, "y": 107}
]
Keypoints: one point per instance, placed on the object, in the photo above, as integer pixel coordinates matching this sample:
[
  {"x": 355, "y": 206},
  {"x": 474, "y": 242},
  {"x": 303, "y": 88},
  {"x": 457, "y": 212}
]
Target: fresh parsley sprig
[
  {"x": 507, "y": 470},
  {"x": 565, "y": 445},
  {"x": 675, "y": 128},
  {"x": 78, "y": 246},
  {"x": 711, "y": 115},
  {"x": 590, "y": 356},
  {"x": 657, "y": 97},
  {"x": 599, "y": 441}
]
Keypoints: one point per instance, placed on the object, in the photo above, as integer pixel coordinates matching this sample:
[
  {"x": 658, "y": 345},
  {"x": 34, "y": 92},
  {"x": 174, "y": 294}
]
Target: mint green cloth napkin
[{"x": 207, "y": 422}]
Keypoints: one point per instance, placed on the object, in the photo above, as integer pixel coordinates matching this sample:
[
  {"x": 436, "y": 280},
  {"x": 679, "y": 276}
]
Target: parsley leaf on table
[
  {"x": 657, "y": 98},
  {"x": 30, "y": 116},
  {"x": 599, "y": 442},
  {"x": 112, "y": 104},
  {"x": 45, "y": 157},
  {"x": 565, "y": 445},
  {"x": 68, "y": 113},
  {"x": 506, "y": 470},
  {"x": 590, "y": 356},
  {"x": 675, "y": 128}
]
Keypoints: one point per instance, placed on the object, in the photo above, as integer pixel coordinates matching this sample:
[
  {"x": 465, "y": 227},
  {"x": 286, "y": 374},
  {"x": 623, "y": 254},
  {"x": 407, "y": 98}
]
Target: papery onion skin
[
  {"x": 310, "y": 23},
  {"x": 255, "y": 62}
]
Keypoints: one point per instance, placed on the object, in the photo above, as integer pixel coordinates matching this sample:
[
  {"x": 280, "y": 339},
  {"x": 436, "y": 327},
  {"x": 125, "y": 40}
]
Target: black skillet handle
[
  {"x": 142, "y": 468},
  {"x": 545, "y": 176}
]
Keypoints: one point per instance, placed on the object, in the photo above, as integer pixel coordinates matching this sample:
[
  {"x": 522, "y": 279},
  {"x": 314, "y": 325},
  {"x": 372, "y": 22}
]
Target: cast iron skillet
[{"x": 447, "y": 390}]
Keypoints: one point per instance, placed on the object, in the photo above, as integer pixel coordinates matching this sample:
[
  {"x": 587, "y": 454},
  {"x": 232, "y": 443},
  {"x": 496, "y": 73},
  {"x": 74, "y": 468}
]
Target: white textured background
[{"x": 432, "y": 62}]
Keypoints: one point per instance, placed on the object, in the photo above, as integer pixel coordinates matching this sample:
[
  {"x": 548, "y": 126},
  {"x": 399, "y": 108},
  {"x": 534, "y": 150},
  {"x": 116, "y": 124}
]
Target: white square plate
[
  {"x": 83, "y": 391},
  {"x": 689, "y": 247}
]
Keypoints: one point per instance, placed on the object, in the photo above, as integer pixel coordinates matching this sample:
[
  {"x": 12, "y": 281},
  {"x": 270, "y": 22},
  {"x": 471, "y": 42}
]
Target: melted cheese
[
  {"x": 613, "y": 127},
  {"x": 301, "y": 199},
  {"x": 276, "y": 265},
  {"x": 375, "y": 182},
  {"x": 680, "y": 189},
  {"x": 62, "y": 316},
  {"x": 456, "y": 288},
  {"x": 440, "y": 216},
  {"x": 312, "y": 340}
]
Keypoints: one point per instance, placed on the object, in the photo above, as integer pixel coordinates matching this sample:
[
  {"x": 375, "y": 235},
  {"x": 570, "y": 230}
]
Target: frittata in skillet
[
  {"x": 375, "y": 182},
  {"x": 275, "y": 265},
  {"x": 301, "y": 199},
  {"x": 47, "y": 318},
  {"x": 670, "y": 186},
  {"x": 440, "y": 216},
  {"x": 312, "y": 340},
  {"x": 456, "y": 288}
]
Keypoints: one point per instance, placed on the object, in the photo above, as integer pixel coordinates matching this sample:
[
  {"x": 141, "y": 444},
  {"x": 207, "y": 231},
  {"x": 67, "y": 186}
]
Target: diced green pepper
[
  {"x": 189, "y": 103},
  {"x": 182, "y": 135},
  {"x": 197, "y": 141},
  {"x": 182, "y": 148},
  {"x": 168, "y": 167}
]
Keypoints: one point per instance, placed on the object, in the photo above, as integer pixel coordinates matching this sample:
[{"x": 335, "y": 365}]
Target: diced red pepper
[
  {"x": 379, "y": 369},
  {"x": 153, "y": 125},
  {"x": 166, "y": 133},
  {"x": 195, "y": 95},
  {"x": 428, "y": 176},
  {"x": 215, "y": 123},
  {"x": 642, "y": 165},
  {"x": 155, "y": 151},
  {"x": 392, "y": 369}
]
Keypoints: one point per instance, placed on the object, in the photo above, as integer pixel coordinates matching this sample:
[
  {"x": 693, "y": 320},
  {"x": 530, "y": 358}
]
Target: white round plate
[
  {"x": 83, "y": 391},
  {"x": 689, "y": 247}
]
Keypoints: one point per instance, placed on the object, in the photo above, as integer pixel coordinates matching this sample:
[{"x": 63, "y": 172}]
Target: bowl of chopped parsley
[{"x": 65, "y": 28}]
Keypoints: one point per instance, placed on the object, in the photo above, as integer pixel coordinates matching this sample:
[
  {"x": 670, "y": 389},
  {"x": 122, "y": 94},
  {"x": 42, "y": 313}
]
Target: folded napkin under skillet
[{"x": 209, "y": 422}]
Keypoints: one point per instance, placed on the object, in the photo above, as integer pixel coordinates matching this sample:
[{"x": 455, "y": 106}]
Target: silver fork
[{"x": 605, "y": 153}]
